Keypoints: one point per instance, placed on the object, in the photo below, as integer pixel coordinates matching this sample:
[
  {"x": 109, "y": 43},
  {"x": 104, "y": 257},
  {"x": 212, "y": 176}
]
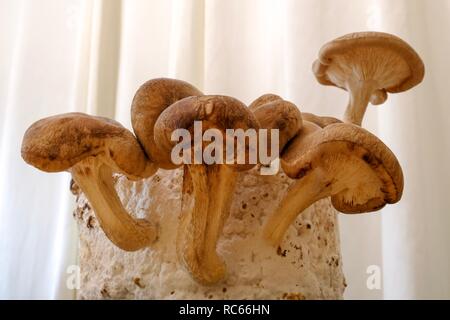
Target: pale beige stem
[
  {"x": 222, "y": 181},
  {"x": 128, "y": 233},
  {"x": 360, "y": 92},
  {"x": 300, "y": 196},
  {"x": 194, "y": 207},
  {"x": 207, "y": 193}
]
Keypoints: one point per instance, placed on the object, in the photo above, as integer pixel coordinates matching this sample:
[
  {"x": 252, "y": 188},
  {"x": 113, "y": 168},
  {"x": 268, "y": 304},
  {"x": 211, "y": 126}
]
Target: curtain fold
[
  {"x": 91, "y": 56},
  {"x": 44, "y": 77}
]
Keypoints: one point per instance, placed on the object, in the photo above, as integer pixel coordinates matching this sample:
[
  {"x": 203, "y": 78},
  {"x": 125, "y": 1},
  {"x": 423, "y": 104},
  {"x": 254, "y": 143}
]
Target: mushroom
[
  {"x": 264, "y": 99},
  {"x": 92, "y": 149},
  {"x": 207, "y": 189},
  {"x": 341, "y": 161},
  {"x": 272, "y": 112},
  {"x": 368, "y": 65},
  {"x": 321, "y": 121},
  {"x": 152, "y": 98}
]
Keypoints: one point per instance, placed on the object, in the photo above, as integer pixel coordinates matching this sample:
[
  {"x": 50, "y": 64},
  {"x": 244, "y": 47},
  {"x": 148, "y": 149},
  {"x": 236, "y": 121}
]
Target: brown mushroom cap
[
  {"x": 151, "y": 99},
  {"x": 215, "y": 111},
  {"x": 59, "y": 142},
  {"x": 321, "y": 121},
  {"x": 264, "y": 99},
  {"x": 278, "y": 114},
  {"x": 382, "y": 57},
  {"x": 363, "y": 172}
]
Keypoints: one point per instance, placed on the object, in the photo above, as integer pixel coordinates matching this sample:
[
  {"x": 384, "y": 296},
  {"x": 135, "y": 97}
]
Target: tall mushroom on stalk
[
  {"x": 207, "y": 188},
  {"x": 151, "y": 99},
  {"x": 368, "y": 65},
  {"x": 341, "y": 161},
  {"x": 92, "y": 149}
]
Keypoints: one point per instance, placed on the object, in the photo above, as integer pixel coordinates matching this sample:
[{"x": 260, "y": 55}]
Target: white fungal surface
[{"x": 306, "y": 266}]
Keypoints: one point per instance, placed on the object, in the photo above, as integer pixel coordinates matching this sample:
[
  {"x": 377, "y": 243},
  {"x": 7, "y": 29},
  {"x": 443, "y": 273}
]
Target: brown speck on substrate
[
  {"x": 137, "y": 281},
  {"x": 280, "y": 252},
  {"x": 104, "y": 292},
  {"x": 90, "y": 222},
  {"x": 308, "y": 226},
  {"x": 172, "y": 293},
  {"x": 74, "y": 187},
  {"x": 293, "y": 296},
  {"x": 224, "y": 290},
  {"x": 79, "y": 212}
]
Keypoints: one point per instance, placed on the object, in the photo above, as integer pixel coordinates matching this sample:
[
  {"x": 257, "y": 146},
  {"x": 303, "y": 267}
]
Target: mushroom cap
[
  {"x": 150, "y": 100},
  {"x": 265, "y": 98},
  {"x": 59, "y": 142},
  {"x": 363, "y": 172},
  {"x": 382, "y": 57},
  {"x": 319, "y": 120},
  {"x": 279, "y": 114},
  {"x": 215, "y": 111}
]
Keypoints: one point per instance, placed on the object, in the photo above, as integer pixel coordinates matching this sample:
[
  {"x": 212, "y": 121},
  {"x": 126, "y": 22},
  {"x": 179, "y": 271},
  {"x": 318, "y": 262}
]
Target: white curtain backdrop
[{"x": 91, "y": 55}]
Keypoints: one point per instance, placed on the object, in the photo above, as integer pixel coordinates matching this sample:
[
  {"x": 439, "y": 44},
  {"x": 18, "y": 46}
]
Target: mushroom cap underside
[
  {"x": 59, "y": 142},
  {"x": 214, "y": 112},
  {"x": 362, "y": 171},
  {"x": 388, "y": 60},
  {"x": 150, "y": 100}
]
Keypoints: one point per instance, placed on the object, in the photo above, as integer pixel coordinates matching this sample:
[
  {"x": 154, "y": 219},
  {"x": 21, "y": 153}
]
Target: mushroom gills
[
  {"x": 370, "y": 63},
  {"x": 94, "y": 177},
  {"x": 354, "y": 183}
]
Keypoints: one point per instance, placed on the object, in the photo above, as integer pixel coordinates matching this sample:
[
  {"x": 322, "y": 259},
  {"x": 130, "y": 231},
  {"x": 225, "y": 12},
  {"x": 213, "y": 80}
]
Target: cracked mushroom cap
[
  {"x": 59, "y": 142},
  {"x": 381, "y": 57},
  {"x": 272, "y": 112},
  {"x": 215, "y": 111},
  {"x": 151, "y": 99},
  {"x": 362, "y": 171}
]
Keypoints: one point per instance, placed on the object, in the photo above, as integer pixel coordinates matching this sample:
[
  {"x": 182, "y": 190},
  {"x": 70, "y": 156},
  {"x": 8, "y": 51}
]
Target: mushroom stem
[
  {"x": 207, "y": 193},
  {"x": 360, "y": 92},
  {"x": 300, "y": 195},
  {"x": 94, "y": 177},
  {"x": 222, "y": 180}
]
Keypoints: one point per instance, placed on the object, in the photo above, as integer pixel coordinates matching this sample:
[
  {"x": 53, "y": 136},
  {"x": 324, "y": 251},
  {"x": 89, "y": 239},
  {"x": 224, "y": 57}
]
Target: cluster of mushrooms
[{"x": 327, "y": 157}]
